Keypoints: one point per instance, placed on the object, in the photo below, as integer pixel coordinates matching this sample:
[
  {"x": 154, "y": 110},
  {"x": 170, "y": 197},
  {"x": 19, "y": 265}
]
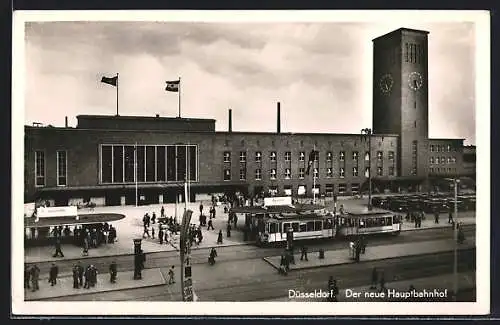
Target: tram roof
[
  {"x": 363, "y": 211},
  {"x": 70, "y": 220},
  {"x": 299, "y": 217},
  {"x": 296, "y": 208}
]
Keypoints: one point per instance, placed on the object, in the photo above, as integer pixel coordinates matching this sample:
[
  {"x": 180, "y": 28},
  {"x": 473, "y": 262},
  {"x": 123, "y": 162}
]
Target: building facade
[{"x": 113, "y": 160}]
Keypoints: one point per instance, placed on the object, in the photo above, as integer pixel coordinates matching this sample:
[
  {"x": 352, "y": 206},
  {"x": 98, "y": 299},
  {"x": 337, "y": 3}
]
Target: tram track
[
  {"x": 245, "y": 252},
  {"x": 267, "y": 284}
]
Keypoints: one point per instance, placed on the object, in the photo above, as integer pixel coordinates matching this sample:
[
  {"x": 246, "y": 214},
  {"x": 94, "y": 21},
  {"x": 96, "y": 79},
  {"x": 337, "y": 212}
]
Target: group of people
[
  {"x": 167, "y": 227},
  {"x": 358, "y": 247},
  {"x": 89, "y": 274}
]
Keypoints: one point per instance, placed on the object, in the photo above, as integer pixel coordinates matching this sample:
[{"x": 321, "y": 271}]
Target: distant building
[{"x": 95, "y": 161}]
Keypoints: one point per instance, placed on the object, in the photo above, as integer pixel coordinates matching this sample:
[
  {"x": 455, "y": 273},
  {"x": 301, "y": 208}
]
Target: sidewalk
[
  {"x": 341, "y": 256},
  {"x": 131, "y": 227},
  {"x": 64, "y": 286},
  {"x": 466, "y": 281}
]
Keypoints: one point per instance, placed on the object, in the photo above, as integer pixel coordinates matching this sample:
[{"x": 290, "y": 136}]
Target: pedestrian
[
  {"x": 80, "y": 274},
  {"x": 160, "y": 234},
  {"x": 153, "y": 219},
  {"x": 382, "y": 282},
  {"x": 303, "y": 253},
  {"x": 219, "y": 238},
  {"x": 210, "y": 225},
  {"x": 93, "y": 275},
  {"x": 113, "y": 272},
  {"x": 58, "y": 247},
  {"x": 362, "y": 242},
  {"x": 228, "y": 230},
  {"x": 54, "y": 270},
  {"x": 450, "y": 217},
  {"x": 357, "y": 250},
  {"x": 201, "y": 208},
  {"x": 35, "y": 275},
  {"x": 87, "y": 277},
  {"x": 75, "y": 277},
  {"x": 146, "y": 232},
  {"x": 171, "y": 275},
  {"x": 436, "y": 217},
  {"x": 235, "y": 220},
  {"x": 27, "y": 276},
  {"x": 374, "y": 278},
  {"x": 105, "y": 235},
  {"x": 153, "y": 232},
  {"x": 85, "y": 251}
]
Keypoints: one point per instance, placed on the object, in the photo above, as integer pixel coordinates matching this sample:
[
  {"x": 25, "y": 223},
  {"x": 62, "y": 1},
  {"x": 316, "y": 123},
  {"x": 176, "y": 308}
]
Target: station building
[{"x": 106, "y": 159}]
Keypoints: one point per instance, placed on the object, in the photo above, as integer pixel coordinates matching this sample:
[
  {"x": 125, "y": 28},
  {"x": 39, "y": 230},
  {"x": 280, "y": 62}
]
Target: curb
[
  {"x": 83, "y": 293},
  {"x": 363, "y": 261},
  {"x": 449, "y": 226}
]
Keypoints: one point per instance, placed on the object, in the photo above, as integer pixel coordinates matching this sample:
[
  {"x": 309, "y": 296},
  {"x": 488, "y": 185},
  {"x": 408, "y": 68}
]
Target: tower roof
[{"x": 401, "y": 31}]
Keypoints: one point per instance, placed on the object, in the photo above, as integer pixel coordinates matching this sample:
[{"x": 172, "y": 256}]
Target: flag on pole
[
  {"x": 312, "y": 156},
  {"x": 173, "y": 85},
  {"x": 110, "y": 81}
]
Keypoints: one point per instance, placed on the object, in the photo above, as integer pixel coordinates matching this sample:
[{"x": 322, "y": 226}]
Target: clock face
[
  {"x": 386, "y": 83},
  {"x": 415, "y": 80}
]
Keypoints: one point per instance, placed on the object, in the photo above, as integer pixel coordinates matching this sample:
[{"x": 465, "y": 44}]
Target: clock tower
[{"x": 401, "y": 97}]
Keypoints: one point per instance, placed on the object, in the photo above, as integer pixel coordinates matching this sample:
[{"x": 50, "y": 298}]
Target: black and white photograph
[{"x": 251, "y": 163}]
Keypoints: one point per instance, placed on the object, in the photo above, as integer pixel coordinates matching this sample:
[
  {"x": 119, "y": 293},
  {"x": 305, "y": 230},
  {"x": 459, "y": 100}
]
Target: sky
[{"x": 321, "y": 73}]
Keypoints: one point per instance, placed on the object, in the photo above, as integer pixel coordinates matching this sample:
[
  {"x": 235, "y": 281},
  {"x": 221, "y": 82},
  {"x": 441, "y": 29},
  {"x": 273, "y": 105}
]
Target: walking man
[
  {"x": 113, "y": 272},
  {"x": 210, "y": 225},
  {"x": 58, "y": 247},
  {"x": 75, "y": 277},
  {"x": 80, "y": 274},
  {"x": 171, "y": 275},
  {"x": 27, "y": 276},
  {"x": 54, "y": 270},
  {"x": 374, "y": 278},
  {"x": 35, "y": 274},
  {"x": 303, "y": 253},
  {"x": 219, "y": 238}
]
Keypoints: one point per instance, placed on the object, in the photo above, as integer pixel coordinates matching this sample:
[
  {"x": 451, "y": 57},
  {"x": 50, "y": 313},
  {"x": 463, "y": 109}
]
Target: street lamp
[
  {"x": 368, "y": 132},
  {"x": 455, "y": 264}
]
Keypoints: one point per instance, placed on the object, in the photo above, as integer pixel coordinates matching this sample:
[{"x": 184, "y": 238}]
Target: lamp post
[
  {"x": 455, "y": 262},
  {"x": 368, "y": 132}
]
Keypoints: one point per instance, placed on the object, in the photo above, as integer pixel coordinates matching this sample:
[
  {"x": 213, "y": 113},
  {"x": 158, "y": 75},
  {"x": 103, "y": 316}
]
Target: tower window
[
  {"x": 415, "y": 124},
  {"x": 406, "y": 52},
  {"x": 415, "y": 102}
]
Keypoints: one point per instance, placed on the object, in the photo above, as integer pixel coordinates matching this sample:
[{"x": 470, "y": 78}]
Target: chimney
[
  {"x": 278, "y": 119},
  {"x": 157, "y": 115},
  {"x": 230, "y": 120},
  {"x": 65, "y": 121}
]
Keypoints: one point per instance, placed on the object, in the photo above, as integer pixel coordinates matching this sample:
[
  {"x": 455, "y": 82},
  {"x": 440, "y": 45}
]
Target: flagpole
[
  {"x": 179, "y": 96},
  {"x": 314, "y": 175},
  {"x": 117, "y": 82},
  {"x": 135, "y": 172}
]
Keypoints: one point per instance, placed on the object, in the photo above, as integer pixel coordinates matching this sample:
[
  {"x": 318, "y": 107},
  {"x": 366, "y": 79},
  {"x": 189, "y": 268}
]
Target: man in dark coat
[
  {"x": 75, "y": 277},
  {"x": 113, "y": 271},
  {"x": 58, "y": 247},
  {"x": 228, "y": 230},
  {"x": 303, "y": 253},
  {"x": 54, "y": 270},
  {"x": 219, "y": 238},
  {"x": 88, "y": 276},
  {"x": 80, "y": 274},
  {"x": 27, "y": 276},
  {"x": 210, "y": 225},
  {"x": 35, "y": 275}
]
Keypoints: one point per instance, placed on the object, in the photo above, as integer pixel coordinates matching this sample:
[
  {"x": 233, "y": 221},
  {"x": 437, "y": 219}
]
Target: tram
[
  {"x": 369, "y": 223},
  {"x": 269, "y": 225}
]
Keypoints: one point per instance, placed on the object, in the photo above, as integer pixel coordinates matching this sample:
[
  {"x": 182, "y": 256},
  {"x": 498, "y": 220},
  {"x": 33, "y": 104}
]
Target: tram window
[
  {"x": 317, "y": 225},
  {"x": 295, "y": 226},
  {"x": 362, "y": 223},
  {"x": 342, "y": 220},
  {"x": 388, "y": 221},
  {"x": 272, "y": 228},
  {"x": 310, "y": 226},
  {"x": 286, "y": 225},
  {"x": 302, "y": 227}
]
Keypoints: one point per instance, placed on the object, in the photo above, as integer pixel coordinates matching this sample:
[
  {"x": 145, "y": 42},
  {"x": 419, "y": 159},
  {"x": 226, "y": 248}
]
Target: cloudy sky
[{"x": 320, "y": 72}]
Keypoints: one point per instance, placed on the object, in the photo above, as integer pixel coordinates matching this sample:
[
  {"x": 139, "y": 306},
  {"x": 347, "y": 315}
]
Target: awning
[
  {"x": 140, "y": 186},
  {"x": 82, "y": 219}
]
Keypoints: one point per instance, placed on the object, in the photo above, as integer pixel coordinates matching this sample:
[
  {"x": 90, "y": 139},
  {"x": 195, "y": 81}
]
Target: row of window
[
  {"x": 302, "y": 156},
  {"x": 414, "y": 53},
  {"x": 441, "y": 148},
  {"x": 227, "y": 143},
  {"x": 316, "y": 189},
  {"x": 443, "y": 170},
  {"x": 302, "y": 171},
  {"x": 442, "y": 160},
  {"x": 62, "y": 168},
  {"x": 148, "y": 163}
]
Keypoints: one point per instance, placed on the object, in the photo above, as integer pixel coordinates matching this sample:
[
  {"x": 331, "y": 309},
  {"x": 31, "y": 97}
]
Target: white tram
[
  {"x": 369, "y": 223},
  {"x": 304, "y": 226}
]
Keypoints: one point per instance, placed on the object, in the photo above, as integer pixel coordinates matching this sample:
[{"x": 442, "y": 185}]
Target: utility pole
[{"x": 368, "y": 132}]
